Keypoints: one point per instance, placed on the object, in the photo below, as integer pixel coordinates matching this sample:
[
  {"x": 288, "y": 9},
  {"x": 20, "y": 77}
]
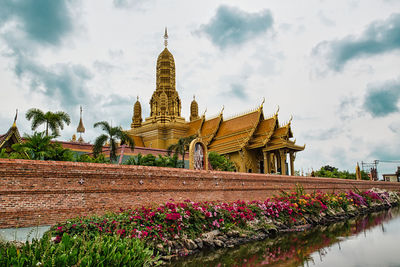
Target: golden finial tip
[
  {"x": 166, "y": 37},
  {"x": 15, "y": 119}
]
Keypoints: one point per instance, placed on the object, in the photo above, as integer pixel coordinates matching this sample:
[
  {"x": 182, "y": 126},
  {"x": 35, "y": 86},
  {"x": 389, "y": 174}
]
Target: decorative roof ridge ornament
[
  {"x": 222, "y": 110},
  {"x": 166, "y": 38},
  {"x": 15, "y": 119},
  {"x": 204, "y": 113},
  {"x": 277, "y": 110},
  {"x": 262, "y": 103},
  {"x": 237, "y": 115}
]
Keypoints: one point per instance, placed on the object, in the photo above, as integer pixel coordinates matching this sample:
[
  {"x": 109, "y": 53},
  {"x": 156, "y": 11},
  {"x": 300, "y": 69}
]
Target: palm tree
[
  {"x": 54, "y": 121},
  {"x": 182, "y": 147},
  {"x": 111, "y": 135},
  {"x": 36, "y": 146}
]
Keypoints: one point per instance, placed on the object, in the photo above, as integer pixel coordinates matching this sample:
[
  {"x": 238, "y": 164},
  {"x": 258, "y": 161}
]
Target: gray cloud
[
  {"x": 382, "y": 99},
  {"x": 118, "y": 100},
  {"x": 385, "y": 152},
  {"x": 41, "y": 23},
  {"x": 325, "y": 20},
  {"x": 128, "y": 3},
  {"x": 103, "y": 66},
  {"x": 232, "y": 26},
  {"x": 379, "y": 37},
  {"x": 44, "y": 21},
  {"x": 238, "y": 90},
  {"x": 322, "y": 134}
]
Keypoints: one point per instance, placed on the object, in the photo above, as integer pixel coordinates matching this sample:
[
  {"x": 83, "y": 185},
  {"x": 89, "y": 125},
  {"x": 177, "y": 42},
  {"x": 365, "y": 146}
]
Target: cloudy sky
[{"x": 333, "y": 65}]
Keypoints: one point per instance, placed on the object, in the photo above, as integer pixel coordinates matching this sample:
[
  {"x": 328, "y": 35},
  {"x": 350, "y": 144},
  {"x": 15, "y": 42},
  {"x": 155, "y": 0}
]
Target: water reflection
[{"x": 369, "y": 240}]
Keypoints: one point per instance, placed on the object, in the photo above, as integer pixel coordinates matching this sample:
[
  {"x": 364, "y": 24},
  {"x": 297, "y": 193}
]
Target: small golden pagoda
[{"x": 254, "y": 143}]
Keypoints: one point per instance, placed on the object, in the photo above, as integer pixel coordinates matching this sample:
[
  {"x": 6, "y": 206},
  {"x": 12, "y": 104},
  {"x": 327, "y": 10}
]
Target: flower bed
[
  {"x": 181, "y": 228},
  {"x": 172, "y": 225}
]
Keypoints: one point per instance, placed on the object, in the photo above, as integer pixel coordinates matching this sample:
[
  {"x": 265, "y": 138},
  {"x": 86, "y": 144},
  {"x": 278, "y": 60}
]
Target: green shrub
[
  {"x": 220, "y": 162},
  {"x": 86, "y": 158},
  {"x": 79, "y": 251},
  {"x": 151, "y": 160}
]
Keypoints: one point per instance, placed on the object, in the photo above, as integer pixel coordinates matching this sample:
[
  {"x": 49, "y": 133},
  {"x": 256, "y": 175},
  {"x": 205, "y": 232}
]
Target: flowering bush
[{"x": 173, "y": 220}]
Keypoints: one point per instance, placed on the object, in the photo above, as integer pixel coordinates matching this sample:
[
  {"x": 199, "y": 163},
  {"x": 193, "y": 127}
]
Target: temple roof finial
[
  {"x": 166, "y": 37},
  {"x": 15, "y": 118},
  {"x": 262, "y": 103},
  {"x": 204, "y": 113},
  {"x": 81, "y": 128}
]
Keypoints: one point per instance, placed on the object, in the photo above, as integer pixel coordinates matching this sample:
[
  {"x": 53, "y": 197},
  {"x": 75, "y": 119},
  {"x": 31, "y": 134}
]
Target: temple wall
[
  {"x": 244, "y": 165},
  {"x": 45, "y": 192}
]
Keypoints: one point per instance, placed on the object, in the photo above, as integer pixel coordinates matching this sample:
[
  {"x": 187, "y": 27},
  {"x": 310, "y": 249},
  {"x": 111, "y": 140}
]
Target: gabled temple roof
[
  {"x": 209, "y": 128},
  {"x": 280, "y": 139},
  {"x": 234, "y": 133},
  {"x": 263, "y": 133},
  {"x": 11, "y": 137},
  {"x": 194, "y": 126}
]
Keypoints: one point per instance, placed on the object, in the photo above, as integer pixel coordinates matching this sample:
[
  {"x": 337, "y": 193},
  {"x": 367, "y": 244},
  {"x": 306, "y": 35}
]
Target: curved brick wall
[{"x": 45, "y": 192}]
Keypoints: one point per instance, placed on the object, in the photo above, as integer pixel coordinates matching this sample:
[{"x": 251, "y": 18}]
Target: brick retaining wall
[{"x": 45, "y": 192}]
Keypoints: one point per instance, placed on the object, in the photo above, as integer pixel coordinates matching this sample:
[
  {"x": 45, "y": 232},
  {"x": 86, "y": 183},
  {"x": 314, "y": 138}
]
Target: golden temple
[{"x": 254, "y": 143}]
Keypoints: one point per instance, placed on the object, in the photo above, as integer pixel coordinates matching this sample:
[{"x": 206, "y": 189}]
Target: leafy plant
[
  {"x": 86, "y": 158},
  {"x": 79, "y": 251},
  {"x": 112, "y": 135},
  {"x": 220, "y": 162},
  {"x": 181, "y": 147},
  {"x": 36, "y": 146},
  {"x": 151, "y": 160}
]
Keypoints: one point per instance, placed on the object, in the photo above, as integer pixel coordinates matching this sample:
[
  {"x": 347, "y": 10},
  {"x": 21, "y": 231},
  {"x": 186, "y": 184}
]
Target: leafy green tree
[
  {"x": 53, "y": 121},
  {"x": 112, "y": 135},
  {"x": 3, "y": 154},
  {"x": 150, "y": 160},
  {"x": 182, "y": 147},
  {"x": 86, "y": 158},
  {"x": 333, "y": 172},
  {"x": 37, "y": 146},
  {"x": 59, "y": 153},
  {"x": 220, "y": 162}
]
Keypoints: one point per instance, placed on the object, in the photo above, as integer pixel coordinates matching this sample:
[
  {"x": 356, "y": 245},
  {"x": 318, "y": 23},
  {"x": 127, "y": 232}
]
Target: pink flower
[{"x": 173, "y": 216}]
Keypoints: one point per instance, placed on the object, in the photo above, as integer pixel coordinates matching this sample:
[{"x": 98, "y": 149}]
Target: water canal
[{"x": 370, "y": 240}]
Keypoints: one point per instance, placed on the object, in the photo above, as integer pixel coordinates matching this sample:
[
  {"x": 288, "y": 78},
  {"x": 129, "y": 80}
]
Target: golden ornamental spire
[
  {"x": 81, "y": 128},
  {"x": 166, "y": 37},
  {"x": 15, "y": 119}
]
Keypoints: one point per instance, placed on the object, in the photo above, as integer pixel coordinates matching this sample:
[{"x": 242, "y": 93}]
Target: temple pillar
[
  {"x": 267, "y": 162},
  {"x": 282, "y": 155},
  {"x": 291, "y": 163}
]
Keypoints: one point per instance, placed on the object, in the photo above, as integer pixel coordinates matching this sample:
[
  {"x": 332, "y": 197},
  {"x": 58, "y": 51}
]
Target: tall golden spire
[
  {"x": 166, "y": 37},
  {"x": 165, "y": 101}
]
